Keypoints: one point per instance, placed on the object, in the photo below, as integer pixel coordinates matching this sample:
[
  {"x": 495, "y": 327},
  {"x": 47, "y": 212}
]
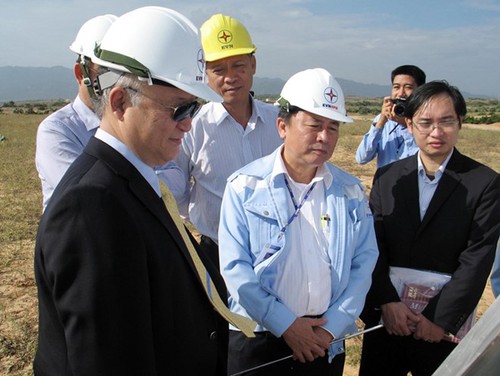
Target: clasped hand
[
  {"x": 307, "y": 339},
  {"x": 401, "y": 321}
]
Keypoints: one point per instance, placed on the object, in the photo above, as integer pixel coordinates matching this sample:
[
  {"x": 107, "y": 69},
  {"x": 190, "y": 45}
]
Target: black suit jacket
[
  {"x": 457, "y": 235},
  {"x": 118, "y": 292}
]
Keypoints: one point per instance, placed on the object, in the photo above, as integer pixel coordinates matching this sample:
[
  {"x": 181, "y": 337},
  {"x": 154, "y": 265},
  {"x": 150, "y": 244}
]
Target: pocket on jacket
[{"x": 262, "y": 225}]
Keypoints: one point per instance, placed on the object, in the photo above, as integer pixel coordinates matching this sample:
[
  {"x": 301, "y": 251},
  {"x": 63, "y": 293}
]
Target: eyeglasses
[
  {"x": 426, "y": 127},
  {"x": 179, "y": 113}
]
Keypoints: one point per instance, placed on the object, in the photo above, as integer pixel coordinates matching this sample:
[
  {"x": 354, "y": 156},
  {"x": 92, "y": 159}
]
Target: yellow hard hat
[{"x": 223, "y": 36}]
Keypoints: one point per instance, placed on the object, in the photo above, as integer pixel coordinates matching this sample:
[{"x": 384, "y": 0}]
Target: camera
[{"x": 399, "y": 106}]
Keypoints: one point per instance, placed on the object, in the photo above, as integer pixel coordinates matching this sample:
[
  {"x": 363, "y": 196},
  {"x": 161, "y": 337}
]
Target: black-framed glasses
[
  {"x": 179, "y": 113},
  {"x": 426, "y": 126}
]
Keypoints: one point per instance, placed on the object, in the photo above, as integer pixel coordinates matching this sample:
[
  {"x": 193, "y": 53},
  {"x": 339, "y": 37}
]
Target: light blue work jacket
[{"x": 254, "y": 209}]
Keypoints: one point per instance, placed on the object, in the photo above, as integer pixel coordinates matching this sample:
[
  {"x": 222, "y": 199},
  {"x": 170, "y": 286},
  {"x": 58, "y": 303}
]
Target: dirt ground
[{"x": 490, "y": 127}]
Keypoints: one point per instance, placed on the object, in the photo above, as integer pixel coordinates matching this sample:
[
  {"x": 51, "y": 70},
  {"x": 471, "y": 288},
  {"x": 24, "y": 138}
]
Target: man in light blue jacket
[
  {"x": 388, "y": 138},
  {"x": 296, "y": 238}
]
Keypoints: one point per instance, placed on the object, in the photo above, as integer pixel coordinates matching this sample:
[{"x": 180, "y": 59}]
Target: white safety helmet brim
[
  {"x": 334, "y": 115},
  {"x": 200, "y": 90},
  {"x": 157, "y": 43},
  {"x": 90, "y": 34}
]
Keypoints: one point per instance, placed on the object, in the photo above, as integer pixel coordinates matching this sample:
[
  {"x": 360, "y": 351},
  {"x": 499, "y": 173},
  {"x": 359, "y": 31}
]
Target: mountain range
[{"x": 46, "y": 83}]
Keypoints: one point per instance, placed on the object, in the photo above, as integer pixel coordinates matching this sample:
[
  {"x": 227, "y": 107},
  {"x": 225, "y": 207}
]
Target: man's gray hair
[{"x": 125, "y": 81}]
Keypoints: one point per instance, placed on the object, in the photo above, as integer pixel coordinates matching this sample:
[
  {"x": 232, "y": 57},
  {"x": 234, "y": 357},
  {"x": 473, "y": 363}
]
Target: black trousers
[
  {"x": 246, "y": 353},
  {"x": 212, "y": 250},
  {"x": 385, "y": 354}
]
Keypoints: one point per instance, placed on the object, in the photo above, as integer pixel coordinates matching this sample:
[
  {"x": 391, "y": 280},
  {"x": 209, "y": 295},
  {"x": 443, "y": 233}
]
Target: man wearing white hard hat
[
  {"x": 298, "y": 239},
  {"x": 122, "y": 290},
  {"x": 62, "y": 136}
]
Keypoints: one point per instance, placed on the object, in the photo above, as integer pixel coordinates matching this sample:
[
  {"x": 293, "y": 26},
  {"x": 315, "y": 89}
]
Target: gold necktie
[{"x": 246, "y": 325}]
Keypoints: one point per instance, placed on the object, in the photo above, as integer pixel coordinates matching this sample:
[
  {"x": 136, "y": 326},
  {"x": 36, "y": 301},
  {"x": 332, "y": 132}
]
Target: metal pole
[{"x": 348, "y": 336}]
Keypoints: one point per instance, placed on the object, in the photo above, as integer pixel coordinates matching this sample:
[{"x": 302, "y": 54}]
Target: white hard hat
[
  {"x": 316, "y": 91},
  {"x": 91, "y": 33},
  {"x": 157, "y": 43}
]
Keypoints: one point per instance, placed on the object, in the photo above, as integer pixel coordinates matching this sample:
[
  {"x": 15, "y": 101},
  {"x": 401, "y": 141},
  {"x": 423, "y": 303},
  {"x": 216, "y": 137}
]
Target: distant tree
[{"x": 9, "y": 104}]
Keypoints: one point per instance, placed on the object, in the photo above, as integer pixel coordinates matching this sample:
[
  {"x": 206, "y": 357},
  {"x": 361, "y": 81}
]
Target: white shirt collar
[
  {"x": 279, "y": 168},
  {"x": 89, "y": 117},
  {"x": 146, "y": 171},
  {"x": 439, "y": 171},
  {"x": 220, "y": 112}
]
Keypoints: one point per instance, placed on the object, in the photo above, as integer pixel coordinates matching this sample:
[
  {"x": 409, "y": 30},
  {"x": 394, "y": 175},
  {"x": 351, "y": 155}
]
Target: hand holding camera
[
  {"x": 388, "y": 111},
  {"x": 399, "y": 106}
]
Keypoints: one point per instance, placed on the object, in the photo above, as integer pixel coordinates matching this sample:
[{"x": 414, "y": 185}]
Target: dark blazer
[
  {"x": 457, "y": 235},
  {"x": 118, "y": 292}
]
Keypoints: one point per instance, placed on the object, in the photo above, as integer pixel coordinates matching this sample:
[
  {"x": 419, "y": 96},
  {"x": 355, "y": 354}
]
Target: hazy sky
[{"x": 456, "y": 40}]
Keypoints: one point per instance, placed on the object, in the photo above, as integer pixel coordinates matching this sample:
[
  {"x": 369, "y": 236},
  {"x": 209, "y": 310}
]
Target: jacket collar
[
  {"x": 140, "y": 188},
  {"x": 447, "y": 185},
  {"x": 409, "y": 181}
]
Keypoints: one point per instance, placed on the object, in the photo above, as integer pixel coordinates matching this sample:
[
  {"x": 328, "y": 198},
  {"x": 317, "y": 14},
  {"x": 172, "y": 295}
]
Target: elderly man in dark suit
[
  {"x": 118, "y": 290},
  {"x": 437, "y": 211}
]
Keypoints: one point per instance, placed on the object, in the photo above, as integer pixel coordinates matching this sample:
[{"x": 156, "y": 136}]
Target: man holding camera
[{"x": 388, "y": 137}]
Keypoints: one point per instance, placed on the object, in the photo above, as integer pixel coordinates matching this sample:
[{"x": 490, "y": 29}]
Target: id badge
[{"x": 270, "y": 248}]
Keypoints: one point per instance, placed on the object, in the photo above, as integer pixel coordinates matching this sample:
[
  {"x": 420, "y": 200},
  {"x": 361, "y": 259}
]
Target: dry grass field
[{"x": 20, "y": 196}]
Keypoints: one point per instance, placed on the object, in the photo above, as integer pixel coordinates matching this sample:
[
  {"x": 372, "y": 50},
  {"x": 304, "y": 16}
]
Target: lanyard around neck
[{"x": 297, "y": 207}]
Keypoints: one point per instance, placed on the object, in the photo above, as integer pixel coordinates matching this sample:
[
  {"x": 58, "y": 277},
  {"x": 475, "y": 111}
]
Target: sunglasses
[{"x": 179, "y": 113}]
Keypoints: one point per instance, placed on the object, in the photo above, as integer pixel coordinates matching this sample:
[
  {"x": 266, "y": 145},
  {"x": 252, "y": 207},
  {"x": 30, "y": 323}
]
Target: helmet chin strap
[{"x": 87, "y": 81}]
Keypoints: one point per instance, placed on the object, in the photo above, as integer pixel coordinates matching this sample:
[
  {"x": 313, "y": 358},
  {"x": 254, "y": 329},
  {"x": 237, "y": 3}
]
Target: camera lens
[
  {"x": 400, "y": 106},
  {"x": 399, "y": 109}
]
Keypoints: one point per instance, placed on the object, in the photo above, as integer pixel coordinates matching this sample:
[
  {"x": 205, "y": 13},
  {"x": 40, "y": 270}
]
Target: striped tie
[{"x": 246, "y": 325}]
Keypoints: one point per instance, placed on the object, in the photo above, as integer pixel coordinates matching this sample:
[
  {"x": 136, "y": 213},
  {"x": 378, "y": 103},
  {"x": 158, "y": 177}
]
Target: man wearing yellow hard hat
[{"x": 224, "y": 136}]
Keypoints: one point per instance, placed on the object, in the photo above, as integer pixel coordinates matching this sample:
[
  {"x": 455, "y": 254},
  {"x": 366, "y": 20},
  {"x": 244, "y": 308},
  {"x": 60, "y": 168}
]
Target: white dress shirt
[
  {"x": 60, "y": 139},
  {"x": 305, "y": 281},
  {"x": 214, "y": 148}
]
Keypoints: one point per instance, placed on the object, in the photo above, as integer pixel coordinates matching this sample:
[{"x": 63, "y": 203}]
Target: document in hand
[{"x": 417, "y": 287}]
